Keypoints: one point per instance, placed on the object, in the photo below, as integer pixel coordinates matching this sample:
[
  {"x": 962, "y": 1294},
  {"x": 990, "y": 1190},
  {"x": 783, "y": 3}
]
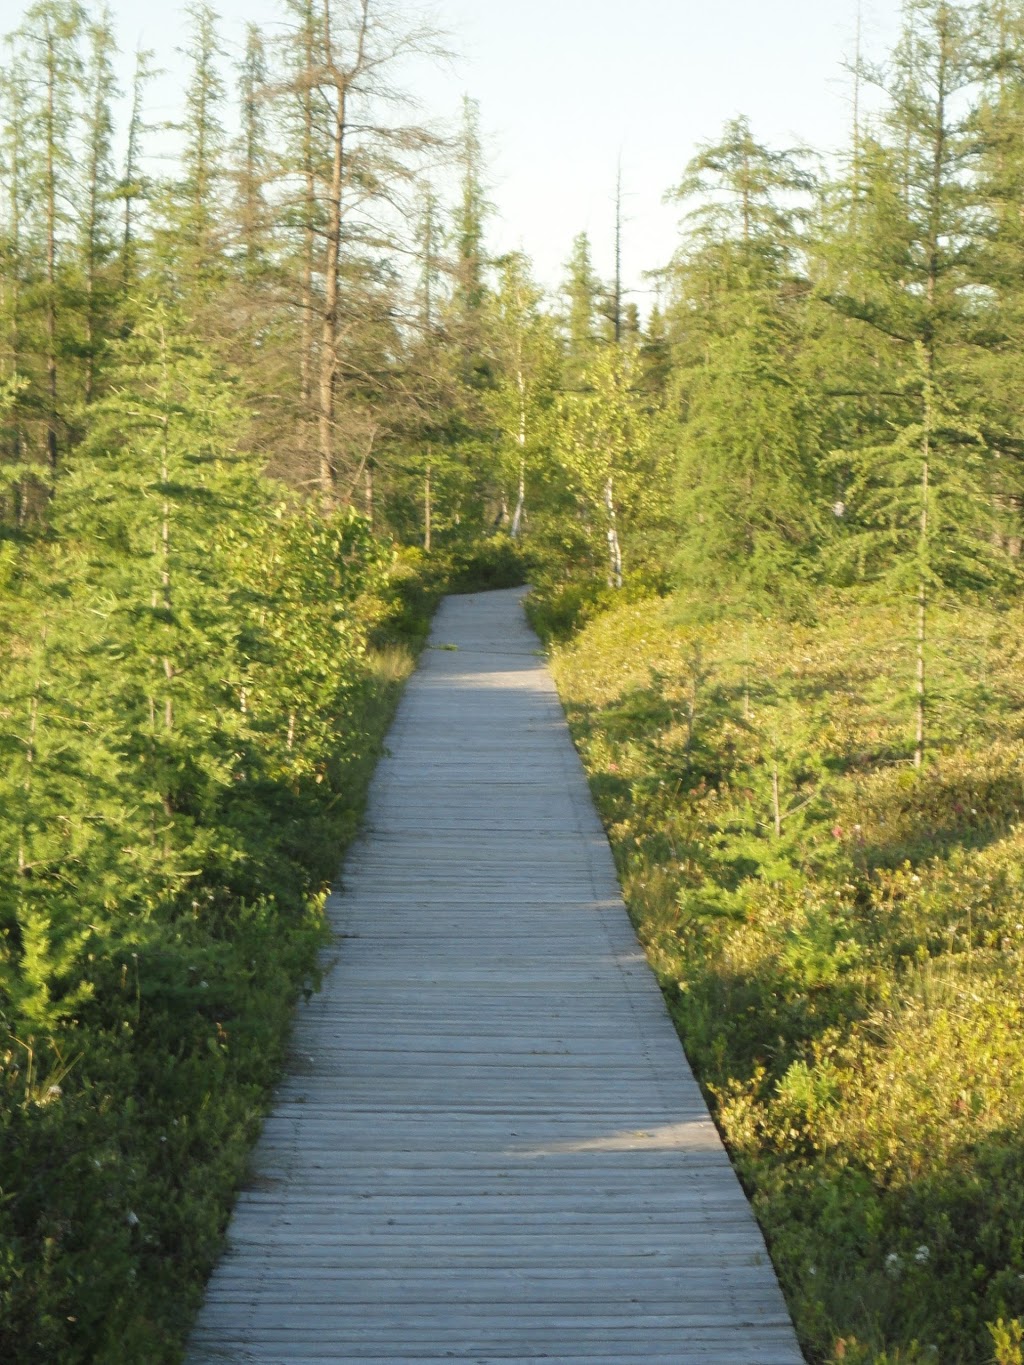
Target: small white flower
[
  {"x": 921, "y": 1255},
  {"x": 893, "y": 1265},
  {"x": 132, "y": 1219},
  {"x": 204, "y": 985}
]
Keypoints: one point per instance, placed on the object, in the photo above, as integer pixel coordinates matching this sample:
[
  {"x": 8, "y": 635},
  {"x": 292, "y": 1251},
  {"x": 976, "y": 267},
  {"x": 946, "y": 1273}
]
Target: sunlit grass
[{"x": 840, "y": 939}]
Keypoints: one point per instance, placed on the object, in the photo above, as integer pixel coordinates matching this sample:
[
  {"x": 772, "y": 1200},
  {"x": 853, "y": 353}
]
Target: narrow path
[{"x": 490, "y": 1146}]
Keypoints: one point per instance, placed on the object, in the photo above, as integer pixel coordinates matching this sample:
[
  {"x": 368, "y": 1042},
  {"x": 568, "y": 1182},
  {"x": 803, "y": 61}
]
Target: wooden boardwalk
[{"x": 490, "y": 1146}]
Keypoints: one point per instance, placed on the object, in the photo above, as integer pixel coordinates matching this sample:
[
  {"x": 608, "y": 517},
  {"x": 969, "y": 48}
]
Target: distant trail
[{"x": 490, "y": 1146}]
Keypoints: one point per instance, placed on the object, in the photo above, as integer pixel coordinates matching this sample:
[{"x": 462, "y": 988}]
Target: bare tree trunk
[
  {"x": 30, "y": 753},
  {"x": 165, "y": 541},
  {"x": 142, "y": 75},
  {"x": 12, "y": 300},
  {"x": 617, "y": 287},
  {"x": 428, "y": 511},
  {"x": 614, "y": 548},
  {"x": 922, "y": 622},
  {"x": 329, "y": 319},
  {"x": 517, "y": 516},
  {"x": 309, "y": 239},
  {"x": 329, "y": 326},
  {"x": 51, "y": 253}
]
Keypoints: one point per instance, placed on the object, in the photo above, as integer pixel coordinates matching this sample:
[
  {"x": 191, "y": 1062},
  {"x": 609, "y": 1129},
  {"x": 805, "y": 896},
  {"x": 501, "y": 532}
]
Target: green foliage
[
  {"x": 604, "y": 447},
  {"x": 198, "y": 678},
  {"x": 846, "y": 977},
  {"x": 480, "y": 565}
]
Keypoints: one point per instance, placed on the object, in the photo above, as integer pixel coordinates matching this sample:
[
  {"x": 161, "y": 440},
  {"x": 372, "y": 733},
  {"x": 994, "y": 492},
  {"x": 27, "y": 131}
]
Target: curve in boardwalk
[{"x": 490, "y": 1146}]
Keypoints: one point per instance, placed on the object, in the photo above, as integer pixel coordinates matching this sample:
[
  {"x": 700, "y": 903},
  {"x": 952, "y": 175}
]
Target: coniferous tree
[
  {"x": 908, "y": 280},
  {"x": 363, "y": 156},
  {"x": 741, "y": 413},
  {"x": 133, "y": 187},
  {"x": 97, "y": 232},
  {"x": 253, "y": 157},
  {"x": 13, "y": 100},
  {"x": 191, "y": 241},
  {"x": 997, "y": 126},
  {"x": 49, "y": 43},
  {"x": 470, "y": 218},
  {"x": 581, "y": 291}
]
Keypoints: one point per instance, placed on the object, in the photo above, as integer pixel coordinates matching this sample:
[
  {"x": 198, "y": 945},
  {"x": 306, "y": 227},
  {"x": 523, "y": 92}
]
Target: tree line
[{"x": 828, "y": 378}]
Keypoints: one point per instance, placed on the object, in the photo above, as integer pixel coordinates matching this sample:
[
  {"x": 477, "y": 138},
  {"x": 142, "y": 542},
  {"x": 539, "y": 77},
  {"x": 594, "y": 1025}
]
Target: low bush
[
  {"x": 839, "y": 939},
  {"x": 484, "y": 564},
  {"x": 153, "y": 946}
]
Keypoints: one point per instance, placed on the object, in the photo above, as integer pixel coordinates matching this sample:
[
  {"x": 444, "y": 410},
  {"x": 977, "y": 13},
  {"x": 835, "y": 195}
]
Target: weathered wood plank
[{"x": 489, "y": 1146}]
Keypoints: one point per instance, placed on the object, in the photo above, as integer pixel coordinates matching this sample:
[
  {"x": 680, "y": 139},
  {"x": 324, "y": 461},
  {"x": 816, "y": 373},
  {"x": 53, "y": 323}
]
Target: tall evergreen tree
[
  {"x": 470, "y": 217},
  {"x": 97, "y": 231},
  {"x": 252, "y": 171},
  {"x": 133, "y": 187},
  {"x": 49, "y": 42},
  {"x": 581, "y": 291},
  {"x": 190, "y": 243},
  {"x": 905, "y": 273},
  {"x": 741, "y": 413}
]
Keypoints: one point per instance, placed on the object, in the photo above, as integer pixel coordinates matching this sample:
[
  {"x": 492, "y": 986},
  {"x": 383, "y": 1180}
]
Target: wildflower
[
  {"x": 132, "y": 1219},
  {"x": 837, "y": 831},
  {"x": 921, "y": 1255},
  {"x": 893, "y": 1265}
]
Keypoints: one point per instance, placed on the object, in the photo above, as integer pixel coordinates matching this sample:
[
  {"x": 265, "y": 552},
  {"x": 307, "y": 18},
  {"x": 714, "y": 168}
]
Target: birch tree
[
  {"x": 522, "y": 402},
  {"x": 604, "y": 447}
]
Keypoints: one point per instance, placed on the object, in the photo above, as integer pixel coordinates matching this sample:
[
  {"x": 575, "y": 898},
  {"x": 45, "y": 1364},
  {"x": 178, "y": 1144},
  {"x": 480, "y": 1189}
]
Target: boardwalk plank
[{"x": 489, "y": 1146}]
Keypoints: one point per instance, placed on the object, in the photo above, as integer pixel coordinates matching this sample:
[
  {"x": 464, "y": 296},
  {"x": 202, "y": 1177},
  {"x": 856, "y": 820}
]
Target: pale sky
[{"x": 566, "y": 87}]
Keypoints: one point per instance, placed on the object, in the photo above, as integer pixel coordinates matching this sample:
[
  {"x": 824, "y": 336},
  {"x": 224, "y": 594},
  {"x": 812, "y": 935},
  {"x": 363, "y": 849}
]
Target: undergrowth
[
  {"x": 840, "y": 939},
  {"x": 135, "y": 1083}
]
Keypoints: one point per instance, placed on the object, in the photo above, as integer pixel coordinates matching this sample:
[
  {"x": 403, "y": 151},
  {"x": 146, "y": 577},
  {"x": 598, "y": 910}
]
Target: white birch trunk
[{"x": 614, "y": 548}]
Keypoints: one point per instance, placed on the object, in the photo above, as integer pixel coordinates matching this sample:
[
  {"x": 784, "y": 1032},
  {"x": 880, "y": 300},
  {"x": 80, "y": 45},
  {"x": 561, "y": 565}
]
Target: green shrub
[
  {"x": 839, "y": 939},
  {"x": 486, "y": 563}
]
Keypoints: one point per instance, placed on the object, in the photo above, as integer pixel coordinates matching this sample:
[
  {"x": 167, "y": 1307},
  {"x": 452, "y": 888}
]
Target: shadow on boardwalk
[{"x": 490, "y": 1146}]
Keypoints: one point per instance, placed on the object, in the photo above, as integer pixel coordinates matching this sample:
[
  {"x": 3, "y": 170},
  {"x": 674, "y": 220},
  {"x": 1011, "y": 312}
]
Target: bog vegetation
[{"x": 264, "y": 393}]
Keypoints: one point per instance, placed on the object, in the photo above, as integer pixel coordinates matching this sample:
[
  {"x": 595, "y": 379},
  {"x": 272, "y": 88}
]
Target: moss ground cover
[{"x": 840, "y": 939}]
